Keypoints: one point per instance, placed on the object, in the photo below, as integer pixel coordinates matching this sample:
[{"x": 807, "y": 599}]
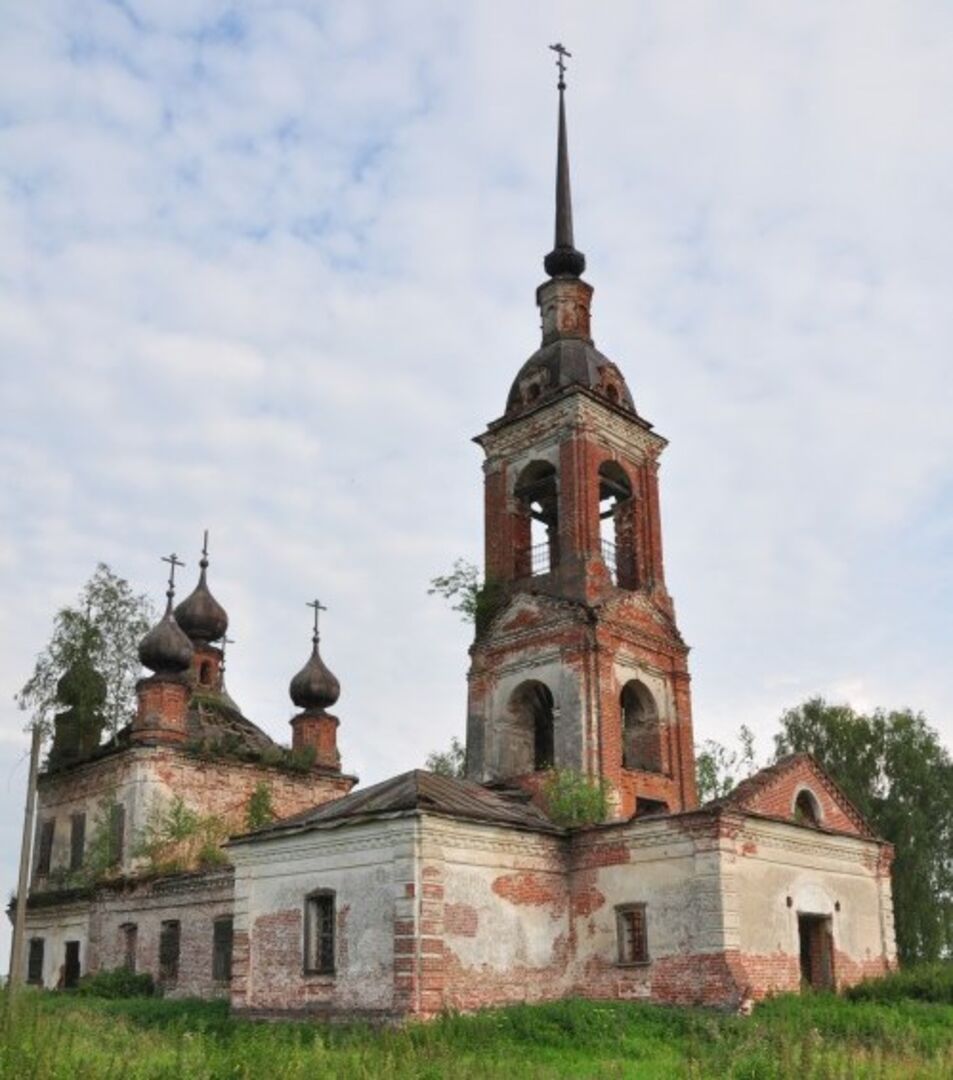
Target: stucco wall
[{"x": 374, "y": 875}]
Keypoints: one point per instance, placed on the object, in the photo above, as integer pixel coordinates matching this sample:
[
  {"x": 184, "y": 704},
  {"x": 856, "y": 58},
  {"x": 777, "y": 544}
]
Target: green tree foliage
[
  {"x": 452, "y": 762},
  {"x": 719, "y": 769},
  {"x": 260, "y": 810},
  {"x": 573, "y": 799},
  {"x": 476, "y": 601},
  {"x": 895, "y": 770},
  {"x": 176, "y": 838},
  {"x": 93, "y": 641}
]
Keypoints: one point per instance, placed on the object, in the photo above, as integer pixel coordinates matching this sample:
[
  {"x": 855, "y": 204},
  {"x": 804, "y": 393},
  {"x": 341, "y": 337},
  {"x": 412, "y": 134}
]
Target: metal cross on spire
[
  {"x": 318, "y": 608},
  {"x": 173, "y": 560},
  {"x": 561, "y": 53},
  {"x": 205, "y": 545}
]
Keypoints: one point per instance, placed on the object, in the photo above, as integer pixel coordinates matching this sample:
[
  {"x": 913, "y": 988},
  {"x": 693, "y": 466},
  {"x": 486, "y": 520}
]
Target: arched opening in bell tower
[
  {"x": 530, "y": 743},
  {"x": 537, "y": 526},
  {"x": 617, "y": 525},
  {"x": 641, "y": 730}
]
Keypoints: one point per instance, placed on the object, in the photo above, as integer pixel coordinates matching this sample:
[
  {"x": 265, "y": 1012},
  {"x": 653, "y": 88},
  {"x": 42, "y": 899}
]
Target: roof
[
  {"x": 745, "y": 795},
  {"x": 418, "y": 790}
]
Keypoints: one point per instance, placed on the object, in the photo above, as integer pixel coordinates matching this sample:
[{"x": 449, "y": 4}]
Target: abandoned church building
[{"x": 427, "y": 892}]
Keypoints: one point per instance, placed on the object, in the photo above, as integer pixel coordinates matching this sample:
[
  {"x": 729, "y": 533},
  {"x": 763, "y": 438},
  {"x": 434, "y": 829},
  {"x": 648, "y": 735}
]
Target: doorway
[
  {"x": 71, "y": 967},
  {"x": 817, "y": 951}
]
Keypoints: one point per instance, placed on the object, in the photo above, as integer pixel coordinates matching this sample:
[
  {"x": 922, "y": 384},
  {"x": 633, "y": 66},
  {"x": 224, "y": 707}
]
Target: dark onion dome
[
  {"x": 81, "y": 685},
  {"x": 200, "y": 615},
  {"x": 314, "y": 687},
  {"x": 165, "y": 649}
]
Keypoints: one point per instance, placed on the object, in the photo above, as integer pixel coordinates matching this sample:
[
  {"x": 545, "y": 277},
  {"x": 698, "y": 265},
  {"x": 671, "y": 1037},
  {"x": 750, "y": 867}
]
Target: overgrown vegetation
[
  {"x": 53, "y": 1036},
  {"x": 116, "y": 984},
  {"x": 573, "y": 799},
  {"x": 719, "y": 769},
  {"x": 923, "y": 982},
  {"x": 231, "y": 747},
  {"x": 176, "y": 838},
  {"x": 477, "y": 601},
  {"x": 451, "y": 762},
  {"x": 260, "y": 810}
]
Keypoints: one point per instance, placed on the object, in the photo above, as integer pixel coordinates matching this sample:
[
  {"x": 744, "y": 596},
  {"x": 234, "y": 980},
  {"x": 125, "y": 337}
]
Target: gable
[
  {"x": 529, "y": 611},
  {"x": 794, "y": 787}
]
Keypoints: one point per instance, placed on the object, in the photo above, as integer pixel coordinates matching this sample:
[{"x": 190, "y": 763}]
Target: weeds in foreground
[{"x": 51, "y": 1036}]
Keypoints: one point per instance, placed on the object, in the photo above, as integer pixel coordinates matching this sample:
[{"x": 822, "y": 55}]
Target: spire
[{"x": 564, "y": 260}]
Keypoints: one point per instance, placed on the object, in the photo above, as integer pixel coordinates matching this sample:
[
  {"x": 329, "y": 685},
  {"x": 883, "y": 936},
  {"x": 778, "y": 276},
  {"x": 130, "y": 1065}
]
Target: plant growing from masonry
[
  {"x": 176, "y": 838},
  {"x": 260, "y": 810},
  {"x": 573, "y": 799},
  {"x": 477, "y": 601},
  {"x": 451, "y": 762},
  {"x": 96, "y": 638}
]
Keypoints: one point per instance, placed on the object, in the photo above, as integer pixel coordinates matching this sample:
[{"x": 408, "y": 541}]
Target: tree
[
  {"x": 452, "y": 762},
  {"x": 91, "y": 661},
  {"x": 477, "y": 601},
  {"x": 895, "y": 770},
  {"x": 718, "y": 770}
]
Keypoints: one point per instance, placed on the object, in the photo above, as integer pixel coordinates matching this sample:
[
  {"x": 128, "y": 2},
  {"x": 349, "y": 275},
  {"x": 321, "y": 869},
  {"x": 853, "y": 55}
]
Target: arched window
[
  {"x": 530, "y": 740},
  {"x": 641, "y": 731},
  {"x": 205, "y": 673},
  {"x": 807, "y": 810},
  {"x": 537, "y": 540},
  {"x": 617, "y": 524}
]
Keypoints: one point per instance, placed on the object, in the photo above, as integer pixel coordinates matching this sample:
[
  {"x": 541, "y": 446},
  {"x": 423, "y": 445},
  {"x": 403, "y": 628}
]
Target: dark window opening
[
  {"x": 71, "y": 969},
  {"x": 646, "y": 807},
  {"x": 632, "y": 930},
  {"x": 319, "y": 933},
  {"x": 129, "y": 939},
  {"x": 537, "y": 526},
  {"x": 169, "y": 940},
  {"x": 45, "y": 854},
  {"x": 222, "y": 935},
  {"x": 532, "y": 739},
  {"x": 117, "y": 833},
  {"x": 617, "y": 525},
  {"x": 77, "y": 841},
  {"x": 205, "y": 673},
  {"x": 806, "y": 809},
  {"x": 816, "y": 951},
  {"x": 641, "y": 729},
  {"x": 34, "y": 964}
]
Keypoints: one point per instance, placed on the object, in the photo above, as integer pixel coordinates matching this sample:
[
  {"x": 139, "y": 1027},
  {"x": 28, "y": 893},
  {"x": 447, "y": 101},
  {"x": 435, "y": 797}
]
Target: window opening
[
  {"x": 537, "y": 546},
  {"x": 646, "y": 807},
  {"x": 532, "y": 740},
  {"x": 319, "y": 933},
  {"x": 806, "y": 810},
  {"x": 129, "y": 934},
  {"x": 222, "y": 935},
  {"x": 34, "y": 964},
  {"x": 641, "y": 730},
  {"x": 117, "y": 833},
  {"x": 632, "y": 931},
  {"x": 169, "y": 941},
  {"x": 77, "y": 845},
  {"x": 205, "y": 673},
  {"x": 617, "y": 525},
  {"x": 45, "y": 854}
]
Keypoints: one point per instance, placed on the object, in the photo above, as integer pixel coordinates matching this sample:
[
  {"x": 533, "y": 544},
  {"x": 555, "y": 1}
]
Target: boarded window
[
  {"x": 129, "y": 934},
  {"x": 77, "y": 841},
  {"x": 169, "y": 935},
  {"x": 45, "y": 854},
  {"x": 117, "y": 833},
  {"x": 633, "y": 936},
  {"x": 222, "y": 949},
  {"x": 34, "y": 965},
  {"x": 319, "y": 933}
]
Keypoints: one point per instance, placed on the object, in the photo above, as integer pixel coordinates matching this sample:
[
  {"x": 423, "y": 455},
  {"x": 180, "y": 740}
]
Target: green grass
[{"x": 49, "y": 1035}]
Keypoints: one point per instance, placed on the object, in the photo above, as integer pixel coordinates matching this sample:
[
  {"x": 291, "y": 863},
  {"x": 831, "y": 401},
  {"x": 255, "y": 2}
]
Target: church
[{"x": 427, "y": 893}]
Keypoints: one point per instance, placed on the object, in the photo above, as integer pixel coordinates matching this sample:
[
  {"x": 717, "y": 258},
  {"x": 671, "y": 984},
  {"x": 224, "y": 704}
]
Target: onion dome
[
  {"x": 200, "y": 615},
  {"x": 314, "y": 687},
  {"x": 165, "y": 649}
]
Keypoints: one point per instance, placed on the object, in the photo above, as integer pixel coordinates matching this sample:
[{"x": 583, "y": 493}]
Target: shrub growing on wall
[{"x": 573, "y": 799}]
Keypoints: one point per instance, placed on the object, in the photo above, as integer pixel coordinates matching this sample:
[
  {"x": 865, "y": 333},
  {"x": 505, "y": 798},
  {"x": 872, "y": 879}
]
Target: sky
[{"x": 266, "y": 268}]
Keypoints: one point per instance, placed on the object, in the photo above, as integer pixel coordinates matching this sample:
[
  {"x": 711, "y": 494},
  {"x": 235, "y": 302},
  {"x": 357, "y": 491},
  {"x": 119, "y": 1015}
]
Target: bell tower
[{"x": 578, "y": 662}]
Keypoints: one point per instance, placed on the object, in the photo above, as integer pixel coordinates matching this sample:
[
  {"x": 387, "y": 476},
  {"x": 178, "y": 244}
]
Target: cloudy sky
[{"x": 266, "y": 267}]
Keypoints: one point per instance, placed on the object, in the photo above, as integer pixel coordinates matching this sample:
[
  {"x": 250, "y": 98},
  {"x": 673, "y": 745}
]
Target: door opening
[
  {"x": 71, "y": 967},
  {"x": 817, "y": 951}
]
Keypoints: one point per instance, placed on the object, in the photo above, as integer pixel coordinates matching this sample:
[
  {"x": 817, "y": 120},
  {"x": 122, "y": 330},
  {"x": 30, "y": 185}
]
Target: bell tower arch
[{"x": 582, "y": 665}]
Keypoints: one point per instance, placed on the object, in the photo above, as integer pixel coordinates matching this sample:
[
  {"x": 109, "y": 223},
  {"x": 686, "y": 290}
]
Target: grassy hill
[{"x": 899, "y": 1027}]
